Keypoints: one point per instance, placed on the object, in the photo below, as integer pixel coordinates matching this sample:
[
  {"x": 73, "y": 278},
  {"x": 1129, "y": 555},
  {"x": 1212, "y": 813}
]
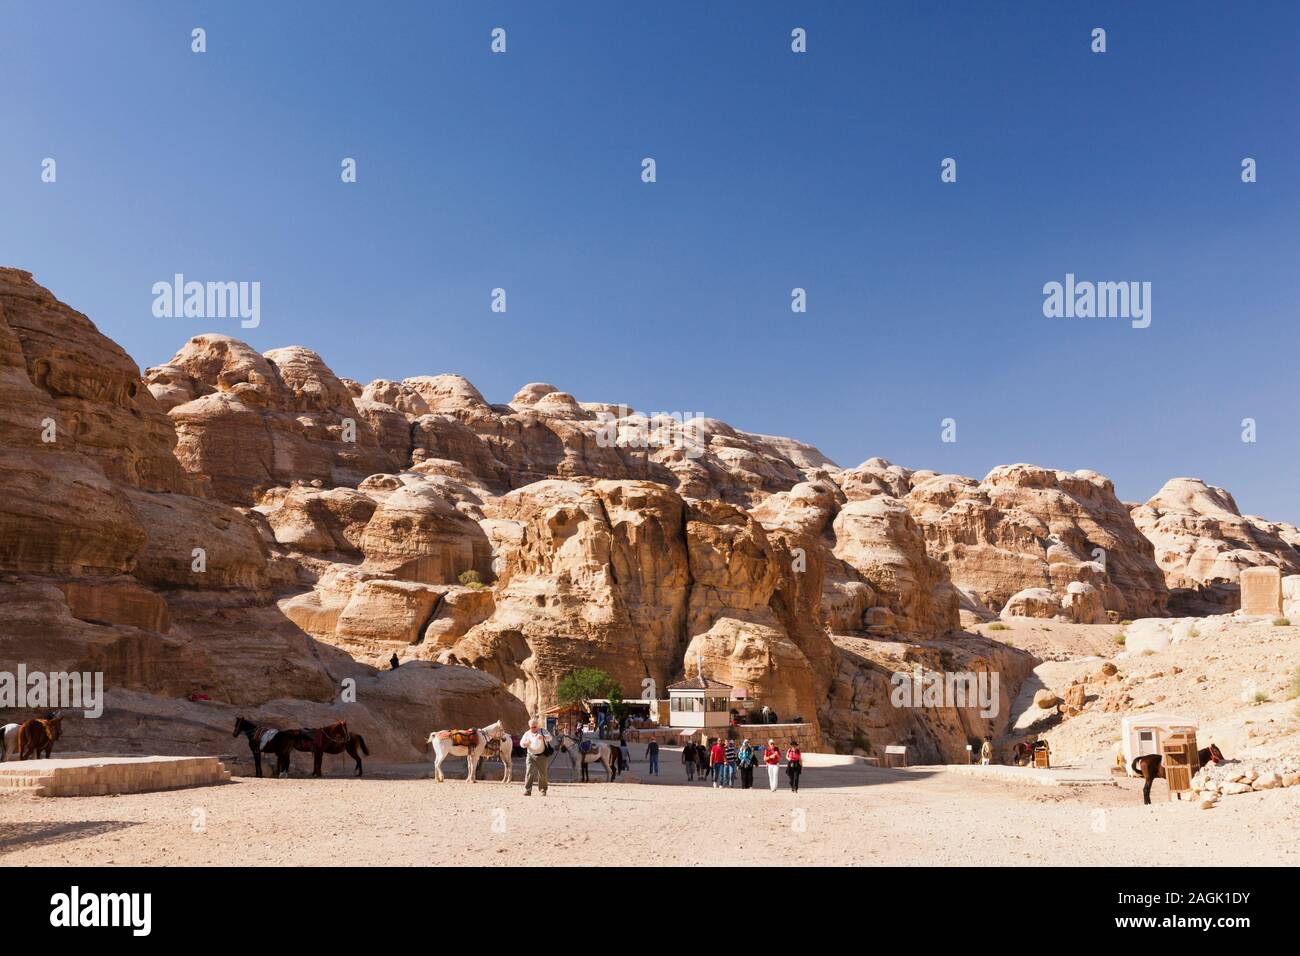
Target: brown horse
[
  {"x": 1023, "y": 750},
  {"x": 333, "y": 739},
  {"x": 1150, "y": 766},
  {"x": 268, "y": 740},
  {"x": 36, "y": 737}
]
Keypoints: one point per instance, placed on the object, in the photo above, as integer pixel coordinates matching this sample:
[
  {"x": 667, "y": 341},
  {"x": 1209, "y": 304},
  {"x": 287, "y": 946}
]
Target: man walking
[
  {"x": 537, "y": 742},
  {"x": 729, "y": 752},
  {"x": 717, "y": 760},
  {"x": 986, "y": 752},
  {"x": 624, "y": 754},
  {"x": 652, "y": 755}
]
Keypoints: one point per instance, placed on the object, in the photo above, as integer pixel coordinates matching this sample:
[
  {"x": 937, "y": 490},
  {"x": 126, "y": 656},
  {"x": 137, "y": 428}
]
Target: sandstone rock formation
[
  {"x": 1202, "y": 543},
  {"x": 253, "y": 529},
  {"x": 1029, "y": 527},
  {"x": 247, "y": 422},
  {"x": 111, "y": 562}
]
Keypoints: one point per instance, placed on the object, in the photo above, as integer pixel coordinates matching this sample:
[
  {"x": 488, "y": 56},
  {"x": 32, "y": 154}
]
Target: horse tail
[
  {"x": 1137, "y": 760},
  {"x": 361, "y": 742}
]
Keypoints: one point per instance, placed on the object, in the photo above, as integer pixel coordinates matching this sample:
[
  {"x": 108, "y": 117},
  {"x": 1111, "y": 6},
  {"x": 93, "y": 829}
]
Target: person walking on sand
[
  {"x": 717, "y": 760},
  {"x": 729, "y": 752},
  {"x": 772, "y": 757},
  {"x": 745, "y": 758},
  {"x": 702, "y": 755},
  {"x": 794, "y": 765},
  {"x": 986, "y": 752},
  {"x": 624, "y": 755},
  {"x": 688, "y": 759},
  {"x": 652, "y": 755},
  {"x": 536, "y": 742}
]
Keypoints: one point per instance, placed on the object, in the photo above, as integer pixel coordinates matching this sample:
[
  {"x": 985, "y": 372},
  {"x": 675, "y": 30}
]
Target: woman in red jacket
[
  {"x": 794, "y": 765},
  {"x": 772, "y": 757}
]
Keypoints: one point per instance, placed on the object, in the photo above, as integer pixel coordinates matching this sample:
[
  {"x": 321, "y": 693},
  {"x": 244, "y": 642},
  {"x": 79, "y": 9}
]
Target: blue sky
[{"x": 775, "y": 170}]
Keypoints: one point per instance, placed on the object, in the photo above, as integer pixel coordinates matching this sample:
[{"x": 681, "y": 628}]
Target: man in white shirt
[{"x": 535, "y": 741}]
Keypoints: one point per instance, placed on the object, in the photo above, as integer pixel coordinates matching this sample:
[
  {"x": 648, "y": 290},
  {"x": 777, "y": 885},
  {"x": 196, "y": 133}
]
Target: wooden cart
[
  {"x": 1180, "y": 760},
  {"x": 1042, "y": 755}
]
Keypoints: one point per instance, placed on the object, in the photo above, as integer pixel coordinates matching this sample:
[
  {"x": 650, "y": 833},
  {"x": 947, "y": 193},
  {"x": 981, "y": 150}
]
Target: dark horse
[
  {"x": 1149, "y": 766},
  {"x": 333, "y": 739},
  {"x": 1023, "y": 750},
  {"x": 270, "y": 740}
]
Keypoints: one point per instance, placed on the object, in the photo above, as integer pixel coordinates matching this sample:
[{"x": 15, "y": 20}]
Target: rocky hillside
[{"x": 252, "y": 528}]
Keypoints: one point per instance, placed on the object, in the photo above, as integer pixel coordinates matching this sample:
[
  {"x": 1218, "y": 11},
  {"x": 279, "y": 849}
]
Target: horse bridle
[{"x": 347, "y": 735}]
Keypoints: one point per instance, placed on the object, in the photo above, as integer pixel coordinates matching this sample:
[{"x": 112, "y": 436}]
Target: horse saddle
[
  {"x": 265, "y": 737},
  {"x": 585, "y": 746},
  {"x": 462, "y": 738}
]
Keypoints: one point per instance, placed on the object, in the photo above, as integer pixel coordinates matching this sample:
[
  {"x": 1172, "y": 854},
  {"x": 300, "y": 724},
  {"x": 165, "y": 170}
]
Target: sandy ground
[{"x": 843, "y": 815}]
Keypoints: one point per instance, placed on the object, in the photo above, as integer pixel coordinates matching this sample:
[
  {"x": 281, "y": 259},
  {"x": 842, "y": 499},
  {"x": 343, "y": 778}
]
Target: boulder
[{"x": 1032, "y": 602}]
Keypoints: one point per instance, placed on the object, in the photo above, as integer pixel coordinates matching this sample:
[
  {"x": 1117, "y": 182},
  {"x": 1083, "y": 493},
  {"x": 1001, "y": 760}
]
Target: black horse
[
  {"x": 270, "y": 740},
  {"x": 1150, "y": 766}
]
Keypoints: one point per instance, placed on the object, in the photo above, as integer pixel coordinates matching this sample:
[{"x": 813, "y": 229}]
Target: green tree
[
  {"x": 617, "y": 706},
  {"x": 585, "y": 684}
]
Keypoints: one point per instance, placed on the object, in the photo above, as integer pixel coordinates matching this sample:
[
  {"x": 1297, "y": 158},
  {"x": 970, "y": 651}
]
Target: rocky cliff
[
  {"x": 253, "y": 529},
  {"x": 112, "y": 559}
]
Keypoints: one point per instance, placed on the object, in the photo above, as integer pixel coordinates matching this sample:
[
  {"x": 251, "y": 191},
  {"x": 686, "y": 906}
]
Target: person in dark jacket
[
  {"x": 794, "y": 765},
  {"x": 688, "y": 759},
  {"x": 702, "y": 758},
  {"x": 652, "y": 756},
  {"x": 746, "y": 759}
]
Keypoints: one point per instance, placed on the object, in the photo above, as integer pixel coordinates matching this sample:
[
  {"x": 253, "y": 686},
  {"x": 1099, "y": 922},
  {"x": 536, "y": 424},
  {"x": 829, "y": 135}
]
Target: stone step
[{"x": 100, "y": 776}]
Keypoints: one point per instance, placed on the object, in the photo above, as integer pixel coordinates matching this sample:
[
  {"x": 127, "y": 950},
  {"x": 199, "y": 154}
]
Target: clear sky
[{"x": 775, "y": 170}]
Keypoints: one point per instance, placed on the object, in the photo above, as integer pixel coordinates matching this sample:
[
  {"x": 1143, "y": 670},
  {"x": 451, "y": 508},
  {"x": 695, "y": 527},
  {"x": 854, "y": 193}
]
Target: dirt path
[{"x": 843, "y": 815}]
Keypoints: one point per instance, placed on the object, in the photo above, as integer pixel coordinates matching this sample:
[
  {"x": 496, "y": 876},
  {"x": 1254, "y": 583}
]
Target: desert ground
[{"x": 847, "y": 813}]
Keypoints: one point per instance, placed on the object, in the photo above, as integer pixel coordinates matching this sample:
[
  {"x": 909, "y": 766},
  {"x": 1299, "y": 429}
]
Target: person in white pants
[{"x": 772, "y": 757}]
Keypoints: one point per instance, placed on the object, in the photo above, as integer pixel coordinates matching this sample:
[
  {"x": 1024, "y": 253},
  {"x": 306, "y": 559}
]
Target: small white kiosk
[
  {"x": 699, "y": 703},
  {"x": 1145, "y": 734}
]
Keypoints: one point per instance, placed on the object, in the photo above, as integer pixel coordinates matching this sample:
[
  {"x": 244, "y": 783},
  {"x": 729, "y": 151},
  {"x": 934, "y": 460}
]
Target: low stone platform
[
  {"x": 99, "y": 776},
  {"x": 1033, "y": 776}
]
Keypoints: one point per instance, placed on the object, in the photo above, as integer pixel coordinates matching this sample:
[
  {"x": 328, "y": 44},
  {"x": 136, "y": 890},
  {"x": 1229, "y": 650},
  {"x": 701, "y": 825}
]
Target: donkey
[{"x": 1150, "y": 766}]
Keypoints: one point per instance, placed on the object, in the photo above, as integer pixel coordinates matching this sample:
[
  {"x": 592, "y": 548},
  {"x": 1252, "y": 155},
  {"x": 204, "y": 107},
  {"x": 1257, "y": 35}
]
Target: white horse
[
  {"x": 9, "y": 741},
  {"x": 440, "y": 742},
  {"x": 600, "y": 751}
]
